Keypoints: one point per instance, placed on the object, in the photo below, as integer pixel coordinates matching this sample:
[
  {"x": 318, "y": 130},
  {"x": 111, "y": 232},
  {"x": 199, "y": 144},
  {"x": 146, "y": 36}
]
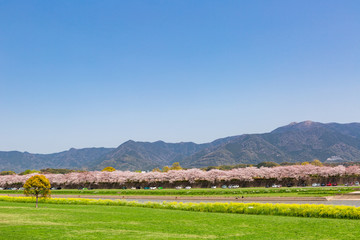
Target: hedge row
[{"x": 296, "y": 210}]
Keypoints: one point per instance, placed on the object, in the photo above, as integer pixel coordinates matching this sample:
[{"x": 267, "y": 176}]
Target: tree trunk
[{"x": 36, "y": 201}]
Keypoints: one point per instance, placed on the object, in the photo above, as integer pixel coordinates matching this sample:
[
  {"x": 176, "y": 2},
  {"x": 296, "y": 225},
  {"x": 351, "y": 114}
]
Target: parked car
[
  {"x": 179, "y": 187},
  {"x": 14, "y": 188},
  {"x": 357, "y": 183},
  {"x": 213, "y": 186},
  {"x": 146, "y": 188},
  {"x": 328, "y": 184},
  {"x": 160, "y": 188},
  {"x": 323, "y": 184},
  {"x": 315, "y": 184},
  {"x": 1, "y": 188},
  {"x": 334, "y": 184},
  {"x": 276, "y": 186},
  {"x": 233, "y": 186},
  {"x": 152, "y": 188},
  {"x": 223, "y": 186},
  {"x": 187, "y": 187},
  {"x": 133, "y": 188}
]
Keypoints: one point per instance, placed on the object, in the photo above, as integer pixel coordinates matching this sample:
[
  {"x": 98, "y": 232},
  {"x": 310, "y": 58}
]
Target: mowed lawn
[{"x": 50, "y": 221}]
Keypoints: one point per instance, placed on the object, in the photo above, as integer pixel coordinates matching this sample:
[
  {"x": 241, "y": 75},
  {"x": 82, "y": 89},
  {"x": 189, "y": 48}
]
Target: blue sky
[{"x": 98, "y": 73}]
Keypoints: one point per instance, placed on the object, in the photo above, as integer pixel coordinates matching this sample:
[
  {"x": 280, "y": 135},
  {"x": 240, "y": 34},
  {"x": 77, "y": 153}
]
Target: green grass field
[
  {"x": 23, "y": 221},
  {"x": 249, "y": 192}
]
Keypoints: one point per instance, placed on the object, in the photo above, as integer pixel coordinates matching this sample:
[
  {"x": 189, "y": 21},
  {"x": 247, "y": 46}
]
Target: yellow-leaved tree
[
  {"x": 316, "y": 162},
  {"x": 108, "y": 169},
  {"x": 37, "y": 186},
  {"x": 165, "y": 169},
  {"x": 176, "y": 166}
]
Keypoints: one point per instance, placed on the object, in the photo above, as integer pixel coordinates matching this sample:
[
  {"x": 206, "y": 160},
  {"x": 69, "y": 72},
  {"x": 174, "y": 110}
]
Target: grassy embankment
[
  {"x": 204, "y": 192},
  {"x": 295, "y": 210},
  {"x": 50, "y": 221}
]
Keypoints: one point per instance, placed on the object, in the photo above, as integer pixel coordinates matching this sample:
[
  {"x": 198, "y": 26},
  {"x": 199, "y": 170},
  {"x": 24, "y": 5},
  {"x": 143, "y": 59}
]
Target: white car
[
  {"x": 213, "y": 186},
  {"x": 315, "y": 184},
  {"x": 179, "y": 187},
  {"x": 187, "y": 187}
]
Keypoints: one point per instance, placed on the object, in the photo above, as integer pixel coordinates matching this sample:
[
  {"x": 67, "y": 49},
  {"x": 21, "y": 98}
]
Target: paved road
[
  {"x": 331, "y": 201},
  {"x": 355, "y": 203},
  {"x": 347, "y": 200}
]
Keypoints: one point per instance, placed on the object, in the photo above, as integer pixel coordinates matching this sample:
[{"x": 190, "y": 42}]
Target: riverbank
[{"x": 350, "y": 196}]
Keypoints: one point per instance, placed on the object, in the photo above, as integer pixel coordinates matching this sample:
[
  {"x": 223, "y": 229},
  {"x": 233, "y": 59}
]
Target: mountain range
[{"x": 296, "y": 142}]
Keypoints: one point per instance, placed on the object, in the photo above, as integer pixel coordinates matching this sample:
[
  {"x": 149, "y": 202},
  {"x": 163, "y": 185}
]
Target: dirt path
[{"x": 169, "y": 198}]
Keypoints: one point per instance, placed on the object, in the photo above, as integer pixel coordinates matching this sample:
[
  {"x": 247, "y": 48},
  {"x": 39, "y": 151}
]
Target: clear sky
[{"x": 98, "y": 73}]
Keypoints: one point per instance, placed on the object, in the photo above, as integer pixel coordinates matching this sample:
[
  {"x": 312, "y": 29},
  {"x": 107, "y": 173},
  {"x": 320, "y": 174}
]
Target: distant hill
[
  {"x": 296, "y": 142},
  {"x": 71, "y": 159},
  {"x": 145, "y": 155}
]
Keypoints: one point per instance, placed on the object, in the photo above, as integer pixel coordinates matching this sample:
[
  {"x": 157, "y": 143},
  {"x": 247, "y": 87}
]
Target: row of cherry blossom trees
[{"x": 296, "y": 172}]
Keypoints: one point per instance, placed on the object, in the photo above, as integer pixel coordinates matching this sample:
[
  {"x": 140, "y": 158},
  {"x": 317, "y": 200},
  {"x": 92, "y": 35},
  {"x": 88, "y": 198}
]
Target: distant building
[{"x": 334, "y": 159}]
